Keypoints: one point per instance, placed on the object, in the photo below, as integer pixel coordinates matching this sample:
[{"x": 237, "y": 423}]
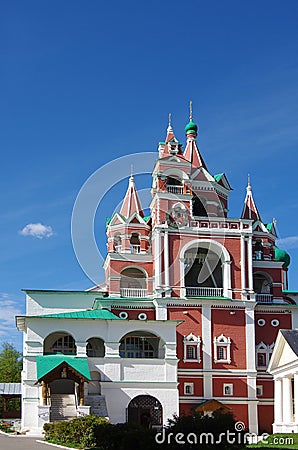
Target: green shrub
[
  {"x": 79, "y": 432},
  {"x": 125, "y": 436},
  {"x": 210, "y": 431}
]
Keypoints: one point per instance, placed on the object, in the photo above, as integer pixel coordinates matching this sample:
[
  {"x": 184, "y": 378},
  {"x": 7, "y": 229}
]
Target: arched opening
[
  {"x": 95, "y": 348},
  {"x": 258, "y": 250},
  {"x": 94, "y": 387},
  {"x": 203, "y": 272},
  {"x": 145, "y": 410},
  {"x": 199, "y": 207},
  {"x": 141, "y": 344},
  {"x": 174, "y": 184},
  {"x": 133, "y": 283},
  {"x": 135, "y": 244},
  {"x": 59, "y": 342},
  {"x": 263, "y": 287},
  {"x": 117, "y": 243}
]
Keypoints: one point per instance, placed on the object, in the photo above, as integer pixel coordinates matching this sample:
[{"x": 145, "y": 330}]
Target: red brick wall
[{"x": 232, "y": 326}]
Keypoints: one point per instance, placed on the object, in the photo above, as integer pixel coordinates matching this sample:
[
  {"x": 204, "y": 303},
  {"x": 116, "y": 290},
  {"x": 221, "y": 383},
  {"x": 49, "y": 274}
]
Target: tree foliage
[{"x": 10, "y": 364}]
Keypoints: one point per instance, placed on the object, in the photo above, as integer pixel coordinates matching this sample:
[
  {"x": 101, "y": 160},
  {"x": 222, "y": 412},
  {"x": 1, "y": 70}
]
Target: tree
[{"x": 10, "y": 364}]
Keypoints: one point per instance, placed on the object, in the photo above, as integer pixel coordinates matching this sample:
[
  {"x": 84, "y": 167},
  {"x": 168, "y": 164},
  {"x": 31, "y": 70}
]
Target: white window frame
[
  {"x": 263, "y": 348},
  {"x": 222, "y": 341},
  {"x": 188, "y": 385},
  {"x": 230, "y": 386},
  {"x": 192, "y": 341}
]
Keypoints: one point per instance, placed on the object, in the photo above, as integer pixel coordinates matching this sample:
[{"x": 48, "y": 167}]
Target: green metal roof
[
  {"x": 46, "y": 364},
  {"x": 218, "y": 177},
  {"x": 101, "y": 314},
  {"x": 289, "y": 292}
]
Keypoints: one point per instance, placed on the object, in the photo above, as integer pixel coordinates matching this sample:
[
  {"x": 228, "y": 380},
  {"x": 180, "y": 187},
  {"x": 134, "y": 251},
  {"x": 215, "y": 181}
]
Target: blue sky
[{"x": 83, "y": 83}]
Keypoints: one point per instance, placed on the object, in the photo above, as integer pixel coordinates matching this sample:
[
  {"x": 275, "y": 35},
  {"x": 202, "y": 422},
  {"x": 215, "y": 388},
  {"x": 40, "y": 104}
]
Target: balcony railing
[
  {"x": 204, "y": 292},
  {"x": 133, "y": 292},
  {"x": 264, "y": 298},
  {"x": 135, "y": 248},
  {"x": 175, "y": 189}
]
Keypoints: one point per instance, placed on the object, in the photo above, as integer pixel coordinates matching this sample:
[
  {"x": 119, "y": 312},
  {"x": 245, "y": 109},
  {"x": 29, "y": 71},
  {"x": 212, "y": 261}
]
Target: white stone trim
[{"x": 222, "y": 341}]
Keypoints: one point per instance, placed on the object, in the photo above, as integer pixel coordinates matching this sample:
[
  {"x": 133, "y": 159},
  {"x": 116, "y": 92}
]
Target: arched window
[
  {"x": 191, "y": 345},
  {"x": 263, "y": 287},
  {"x": 203, "y": 273},
  {"x": 258, "y": 250},
  {"x": 95, "y": 348},
  {"x": 222, "y": 349},
  {"x": 60, "y": 343},
  {"x": 263, "y": 354},
  {"x": 135, "y": 243},
  {"x": 133, "y": 283},
  {"x": 174, "y": 185},
  {"x": 139, "y": 345},
  {"x": 117, "y": 243}
]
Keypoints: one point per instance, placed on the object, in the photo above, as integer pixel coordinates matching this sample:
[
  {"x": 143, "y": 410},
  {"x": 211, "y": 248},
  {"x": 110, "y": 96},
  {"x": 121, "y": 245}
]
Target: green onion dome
[
  {"x": 282, "y": 256},
  {"x": 191, "y": 127}
]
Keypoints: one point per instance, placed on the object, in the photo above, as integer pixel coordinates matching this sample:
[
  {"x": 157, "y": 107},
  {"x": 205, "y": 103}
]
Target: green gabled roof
[
  {"x": 101, "y": 314},
  {"x": 146, "y": 218},
  {"x": 218, "y": 177},
  {"x": 46, "y": 364}
]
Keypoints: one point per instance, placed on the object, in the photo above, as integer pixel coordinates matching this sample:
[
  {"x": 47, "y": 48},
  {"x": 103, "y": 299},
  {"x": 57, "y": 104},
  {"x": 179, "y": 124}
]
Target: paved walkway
[{"x": 21, "y": 443}]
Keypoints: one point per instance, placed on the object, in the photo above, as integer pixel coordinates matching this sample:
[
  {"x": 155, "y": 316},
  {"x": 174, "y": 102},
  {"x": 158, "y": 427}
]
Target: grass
[{"x": 284, "y": 441}]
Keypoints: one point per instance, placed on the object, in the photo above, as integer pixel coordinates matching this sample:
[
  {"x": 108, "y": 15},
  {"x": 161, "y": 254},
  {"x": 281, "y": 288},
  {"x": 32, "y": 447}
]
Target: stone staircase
[
  {"x": 97, "y": 405},
  {"x": 63, "y": 407}
]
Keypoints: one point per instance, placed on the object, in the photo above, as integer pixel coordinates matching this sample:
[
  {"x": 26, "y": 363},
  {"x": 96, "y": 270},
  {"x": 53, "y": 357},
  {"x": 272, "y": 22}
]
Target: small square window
[
  {"x": 188, "y": 388},
  {"x": 259, "y": 390},
  {"x": 227, "y": 389}
]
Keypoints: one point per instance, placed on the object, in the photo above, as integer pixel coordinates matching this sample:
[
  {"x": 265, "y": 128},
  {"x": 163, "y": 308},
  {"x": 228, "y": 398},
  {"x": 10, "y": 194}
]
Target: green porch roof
[
  {"x": 45, "y": 364},
  {"x": 101, "y": 314}
]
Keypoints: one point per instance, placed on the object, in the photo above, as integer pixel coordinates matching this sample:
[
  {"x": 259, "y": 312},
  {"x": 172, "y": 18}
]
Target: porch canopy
[
  {"x": 62, "y": 366},
  {"x": 211, "y": 406}
]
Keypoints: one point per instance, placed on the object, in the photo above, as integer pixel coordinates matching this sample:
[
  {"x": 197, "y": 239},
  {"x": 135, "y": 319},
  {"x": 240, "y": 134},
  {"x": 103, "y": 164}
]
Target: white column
[
  {"x": 207, "y": 350},
  {"x": 278, "y": 401},
  {"x": 287, "y": 399},
  {"x": 249, "y": 262},
  {"x": 166, "y": 259},
  {"x": 157, "y": 260},
  {"x": 243, "y": 283},
  {"x": 250, "y": 338},
  {"x": 81, "y": 348},
  {"x": 296, "y": 396}
]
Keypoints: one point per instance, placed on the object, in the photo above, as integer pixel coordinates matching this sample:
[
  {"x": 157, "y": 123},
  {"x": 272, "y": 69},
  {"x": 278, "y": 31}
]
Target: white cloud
[
  {"x": 288, "y": 242},
  {"x": 8, "y": 310},
  {"x": 37, "y": 230}
]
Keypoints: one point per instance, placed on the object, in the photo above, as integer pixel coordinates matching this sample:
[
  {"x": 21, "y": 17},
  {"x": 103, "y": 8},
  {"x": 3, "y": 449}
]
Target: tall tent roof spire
[
  {"x": 131, "y": 202},
  {"x": 192, "y": 152},
  {"x": 250, "y": 210}
]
